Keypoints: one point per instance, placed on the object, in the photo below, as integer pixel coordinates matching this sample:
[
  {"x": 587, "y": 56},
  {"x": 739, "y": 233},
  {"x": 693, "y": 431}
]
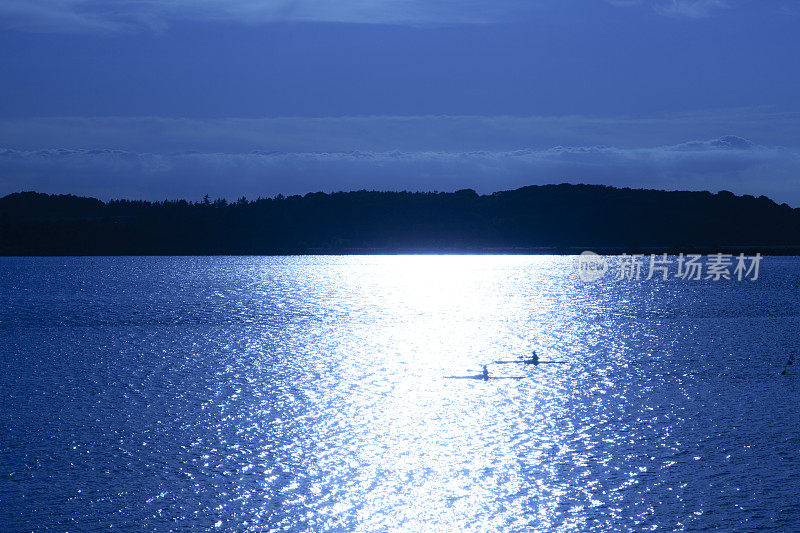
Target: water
[{"x": 309, "y": 394}]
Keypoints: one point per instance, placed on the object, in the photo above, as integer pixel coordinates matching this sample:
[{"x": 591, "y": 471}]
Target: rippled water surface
[{"x": 312, "y": 394}]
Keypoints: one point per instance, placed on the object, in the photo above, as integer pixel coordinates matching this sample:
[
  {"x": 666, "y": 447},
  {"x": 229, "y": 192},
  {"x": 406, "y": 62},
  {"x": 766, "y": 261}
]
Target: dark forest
[{"x": 536, "y": 219}]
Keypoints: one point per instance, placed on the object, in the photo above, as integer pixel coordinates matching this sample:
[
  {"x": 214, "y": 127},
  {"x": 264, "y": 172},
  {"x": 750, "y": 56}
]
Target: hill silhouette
[{"x": 536, "y": 219}]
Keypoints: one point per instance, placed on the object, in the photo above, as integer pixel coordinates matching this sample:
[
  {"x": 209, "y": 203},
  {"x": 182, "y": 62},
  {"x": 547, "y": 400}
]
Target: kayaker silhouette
[{"x": 533, "y": 360}]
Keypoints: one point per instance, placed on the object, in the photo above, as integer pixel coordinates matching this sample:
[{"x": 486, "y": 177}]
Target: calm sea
[{"x": 317, "y": 394}]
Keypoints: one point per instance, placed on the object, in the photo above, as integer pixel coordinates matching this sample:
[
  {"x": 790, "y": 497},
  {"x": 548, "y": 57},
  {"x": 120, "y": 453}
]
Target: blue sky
[{"x": 179, "y": 98}]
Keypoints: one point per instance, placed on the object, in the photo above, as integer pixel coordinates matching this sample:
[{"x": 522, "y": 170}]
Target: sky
[{"x": 160, "y": 99}]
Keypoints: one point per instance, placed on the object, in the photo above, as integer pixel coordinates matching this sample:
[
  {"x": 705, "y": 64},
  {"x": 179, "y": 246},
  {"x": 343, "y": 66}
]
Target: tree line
[{"x": 535, "y": 219}]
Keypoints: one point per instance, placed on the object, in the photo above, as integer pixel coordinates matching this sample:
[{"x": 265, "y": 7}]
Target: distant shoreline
[
  {"x": 704, "y": 251},
  {"x": 537, "y": 220}
]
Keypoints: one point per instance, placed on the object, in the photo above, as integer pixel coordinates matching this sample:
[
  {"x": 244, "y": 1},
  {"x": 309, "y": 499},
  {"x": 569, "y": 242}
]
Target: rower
[
  {"x": 534, "y": 360},
  {"x": 485, "y": 373}
]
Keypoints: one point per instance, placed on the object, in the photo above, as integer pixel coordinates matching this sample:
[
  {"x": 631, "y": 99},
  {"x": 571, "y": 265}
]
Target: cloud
[
  {"x": 677, "y": 8},
  {"x": 690, "y": 8},
  {"x": 134, "y": 15},
  {"x": 114, "y": 16},
  {"x": 745, "y": 150},
  {"x": 84, "y": 16},
  {"x": 729, "y": 163},
  {"x": 391, "y": 133}
]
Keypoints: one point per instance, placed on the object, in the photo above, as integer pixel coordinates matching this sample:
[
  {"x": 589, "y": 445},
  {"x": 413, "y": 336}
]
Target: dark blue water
[{"x": 309, "y": 394}]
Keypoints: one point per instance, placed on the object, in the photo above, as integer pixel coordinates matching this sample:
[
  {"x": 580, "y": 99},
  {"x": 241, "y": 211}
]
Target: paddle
[
  {"x": 479, "y": 376},
  {"x": 522, "y": 361}
]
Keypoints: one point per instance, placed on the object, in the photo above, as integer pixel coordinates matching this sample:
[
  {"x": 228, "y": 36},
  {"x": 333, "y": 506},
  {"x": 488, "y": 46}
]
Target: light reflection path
[{"x": 374, "y": 439}]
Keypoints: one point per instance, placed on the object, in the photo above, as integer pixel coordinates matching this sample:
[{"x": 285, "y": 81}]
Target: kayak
[
  {"x": 528, "y": 362},
  {"x": 481, "y": 377}
]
